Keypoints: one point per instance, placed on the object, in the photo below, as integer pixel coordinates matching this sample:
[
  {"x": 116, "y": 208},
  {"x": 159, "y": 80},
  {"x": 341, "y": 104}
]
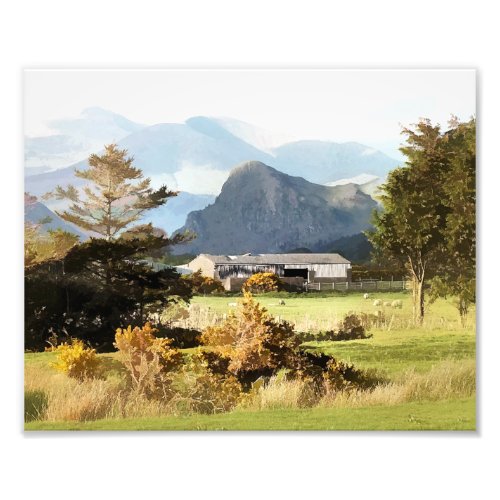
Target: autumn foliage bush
[
  {"x": 203, "y": 285},
  {"x": 250, "y": 343},
  {"x": 148, "y": 358},
  {"x": 77, "y": 360},
  {"x": 263, "y": 282}
]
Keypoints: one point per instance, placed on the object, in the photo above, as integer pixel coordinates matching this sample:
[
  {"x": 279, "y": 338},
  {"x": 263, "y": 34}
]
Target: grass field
[
  {"x": 321, "y": 312},
  {"x": 441, "y": 415},
  {"x": 429, "y": 375}
]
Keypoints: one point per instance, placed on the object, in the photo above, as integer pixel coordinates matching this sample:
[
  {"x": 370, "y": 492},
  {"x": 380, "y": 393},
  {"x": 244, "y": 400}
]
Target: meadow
[{"x": 426, "y": 373}]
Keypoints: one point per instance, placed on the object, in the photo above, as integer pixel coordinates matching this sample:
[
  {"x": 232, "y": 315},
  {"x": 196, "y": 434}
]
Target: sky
[{"x": 366, "y": 106}]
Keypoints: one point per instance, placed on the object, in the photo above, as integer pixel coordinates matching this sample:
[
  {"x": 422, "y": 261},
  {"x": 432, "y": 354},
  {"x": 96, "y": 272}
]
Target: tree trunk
[
  {"x": 420, "y": 302},
  {"x": 418, "y": 293}
]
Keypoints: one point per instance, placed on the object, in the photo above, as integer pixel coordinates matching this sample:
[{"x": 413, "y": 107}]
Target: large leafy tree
[
  {"x": 112, "y": 201},
  {"x": 428, "y": 218},
  {"x": 410, "y": 227},
  {"x": 457, "y": 273}
]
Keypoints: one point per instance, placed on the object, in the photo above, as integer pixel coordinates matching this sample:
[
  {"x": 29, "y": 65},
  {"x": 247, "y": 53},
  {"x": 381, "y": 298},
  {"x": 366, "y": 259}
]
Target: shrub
[
  {"x": 262, "y": 283},
  {"x": 251, "y": 342},
  {"x": 352, "y": 327},
  {"x": 203, "y": 285},
  {"x": 77, "y": 360},
  {"x": 182, "y": 338},
  {"x": 213, "y": 393},
  {"x": 147, "y": 358},
  {"x": 175, "y": 311}
]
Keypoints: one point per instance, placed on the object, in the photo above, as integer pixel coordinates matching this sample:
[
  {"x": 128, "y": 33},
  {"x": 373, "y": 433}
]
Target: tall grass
[
  {"x": 447, "y": 380},
  {"x": 56, "y": 397}
]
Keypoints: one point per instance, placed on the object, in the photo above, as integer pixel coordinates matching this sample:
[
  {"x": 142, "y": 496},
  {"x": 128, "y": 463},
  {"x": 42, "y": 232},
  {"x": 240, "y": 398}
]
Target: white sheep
[
  {"x": 397, "y": 303},
  {"x": 366, "y": 296},
  {"x": 232, "y": 304},
  {"x": 377, "y": 303},
  {"x": 281, "y": 302}
]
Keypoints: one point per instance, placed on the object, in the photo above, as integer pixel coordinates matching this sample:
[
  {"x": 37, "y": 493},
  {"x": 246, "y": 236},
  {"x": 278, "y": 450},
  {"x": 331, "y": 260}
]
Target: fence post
[
  {"x": 319, "y": 286},
  {"x": 347, "y": 285}
]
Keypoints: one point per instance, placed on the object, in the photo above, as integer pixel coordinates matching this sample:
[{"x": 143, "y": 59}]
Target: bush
[
  {"x": 203, "y": 285},
  {"x": 352, "y": 327},
  {"x": 213, "y": 393},
  {"x": 76, "y": 360},
  {"x": 252, "y": 341},
  {"x": 262, "y": 283},
  {"x": 182, "y": 338},
  {"x": 148, "y": 359}
]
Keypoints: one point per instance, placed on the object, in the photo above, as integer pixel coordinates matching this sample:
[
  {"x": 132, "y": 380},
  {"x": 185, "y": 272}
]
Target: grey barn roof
[{"x": 279, "y": 258}]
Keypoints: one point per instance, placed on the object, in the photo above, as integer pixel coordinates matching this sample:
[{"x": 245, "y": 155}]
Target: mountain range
[{"x": 197, "y": 158}]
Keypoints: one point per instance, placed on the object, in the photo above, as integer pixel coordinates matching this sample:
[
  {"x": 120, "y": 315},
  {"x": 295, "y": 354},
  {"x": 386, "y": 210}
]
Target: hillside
[
  {"x": 263, "y": 210},
  {"x": 37, "y": 212}
]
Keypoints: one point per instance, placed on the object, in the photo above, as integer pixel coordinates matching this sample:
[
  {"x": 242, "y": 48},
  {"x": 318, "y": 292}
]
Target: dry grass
[
  {"x": 277, "y": 394},
  {"x": 447, "y": 380},
  {"x": 55, "y": 397}
]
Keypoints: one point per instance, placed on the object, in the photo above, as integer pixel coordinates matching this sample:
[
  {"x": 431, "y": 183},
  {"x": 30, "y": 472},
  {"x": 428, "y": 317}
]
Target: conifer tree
[{"x": 112, "y": 201}]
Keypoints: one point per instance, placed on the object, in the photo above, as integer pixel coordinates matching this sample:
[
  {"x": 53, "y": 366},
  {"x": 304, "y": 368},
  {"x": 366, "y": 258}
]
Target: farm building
[{"x": 294, "y": 268}]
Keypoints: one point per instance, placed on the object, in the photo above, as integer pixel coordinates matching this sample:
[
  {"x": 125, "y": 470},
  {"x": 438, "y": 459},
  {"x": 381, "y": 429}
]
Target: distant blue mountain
[
  {"x": 197, "y": 156},
  {"x": 37, "y": 212}
]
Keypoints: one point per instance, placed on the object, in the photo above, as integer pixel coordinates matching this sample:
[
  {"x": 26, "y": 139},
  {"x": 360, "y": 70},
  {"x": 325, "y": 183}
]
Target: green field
[
  {"x": 324, "y": 310},
  {"x": 441, "y": 415},
  {"x": 399, "y": 352}
]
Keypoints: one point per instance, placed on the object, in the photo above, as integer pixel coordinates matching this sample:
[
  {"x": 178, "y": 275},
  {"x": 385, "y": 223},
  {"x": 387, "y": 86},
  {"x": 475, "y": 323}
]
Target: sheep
[
  {"x": 281, "y": 302},
  {"x": 366, "y": 296},
  {"x": 377, "y": 303},
  {"x": 232, "y": 304},
  {"x": 387, "y": 303},
  {"x": 397, "y": 303}
]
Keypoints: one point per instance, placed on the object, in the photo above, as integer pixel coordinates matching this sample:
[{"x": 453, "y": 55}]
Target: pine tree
[{"x": 112, "y": 202}]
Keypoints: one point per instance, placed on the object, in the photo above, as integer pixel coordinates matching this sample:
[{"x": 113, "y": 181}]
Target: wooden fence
[{"x": 358, "y": 285}]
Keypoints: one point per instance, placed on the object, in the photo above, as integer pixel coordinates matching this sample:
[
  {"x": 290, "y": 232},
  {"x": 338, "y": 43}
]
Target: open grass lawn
[
  {"x": 327, "y": 308},
  {"x": 394, "y": 351},
  {"x": 441, "y": 415}
]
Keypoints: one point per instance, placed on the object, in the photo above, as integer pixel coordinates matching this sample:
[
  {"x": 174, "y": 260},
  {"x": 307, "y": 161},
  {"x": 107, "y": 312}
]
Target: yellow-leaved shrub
[
  {"x": 77, "y": 360},
  {"x": 250, "y": 343},
  {"x": 262, "y": 282},
  {"x": 147, "y": 358}
]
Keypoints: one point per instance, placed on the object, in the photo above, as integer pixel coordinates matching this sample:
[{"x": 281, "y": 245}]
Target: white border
[{"x": 264, "y": 34}]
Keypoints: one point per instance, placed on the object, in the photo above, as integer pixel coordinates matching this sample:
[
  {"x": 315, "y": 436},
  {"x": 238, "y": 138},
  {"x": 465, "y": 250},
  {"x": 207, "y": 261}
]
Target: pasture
[{"x": 428, "y": 375}]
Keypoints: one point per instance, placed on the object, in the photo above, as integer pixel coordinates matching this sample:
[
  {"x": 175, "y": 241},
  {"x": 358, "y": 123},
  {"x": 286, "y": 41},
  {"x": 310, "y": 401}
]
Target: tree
[
  {"x": 97, "y": 287},
  {"x": 111, "y": 202},
  {"x": 40, "y": 246},
  {"x": 428, "y": 220},
  {"x": 457, "y": 274},
  {"x": 410, "y": 228},
  {"x": 107, "y": 282}
]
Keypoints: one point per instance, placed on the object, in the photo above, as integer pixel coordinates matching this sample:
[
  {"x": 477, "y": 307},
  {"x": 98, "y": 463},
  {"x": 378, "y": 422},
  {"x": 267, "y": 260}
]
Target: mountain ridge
[{"x": 261, "y": 209}]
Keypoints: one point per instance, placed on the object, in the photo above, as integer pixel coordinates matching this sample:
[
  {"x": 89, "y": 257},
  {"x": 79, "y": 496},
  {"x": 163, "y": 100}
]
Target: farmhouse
[{"x": 294, "y": 268}]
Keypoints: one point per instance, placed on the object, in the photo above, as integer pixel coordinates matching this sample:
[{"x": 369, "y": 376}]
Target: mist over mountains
[{"x": 197, "y": 158}]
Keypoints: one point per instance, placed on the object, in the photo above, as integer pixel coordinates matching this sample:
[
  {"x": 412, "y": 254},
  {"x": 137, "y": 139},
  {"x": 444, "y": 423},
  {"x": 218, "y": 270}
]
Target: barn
[{"x": 294, "y": 268}]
